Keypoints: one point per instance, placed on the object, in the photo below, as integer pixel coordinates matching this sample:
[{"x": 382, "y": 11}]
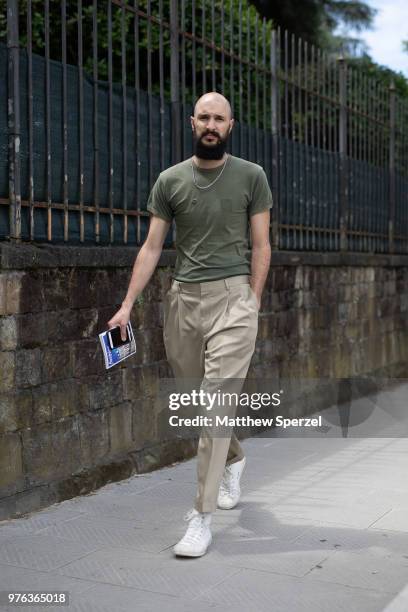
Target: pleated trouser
[{"x": 209, "y": 333}]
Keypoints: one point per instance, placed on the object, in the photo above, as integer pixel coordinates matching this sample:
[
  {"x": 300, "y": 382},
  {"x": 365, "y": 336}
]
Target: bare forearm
[
  {"x": 260, "y": 262},
  {"x": 143, "y": 268}
]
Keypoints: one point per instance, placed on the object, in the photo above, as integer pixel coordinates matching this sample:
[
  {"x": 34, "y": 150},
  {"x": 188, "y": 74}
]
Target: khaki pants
[{"x": 209, "y": 332}]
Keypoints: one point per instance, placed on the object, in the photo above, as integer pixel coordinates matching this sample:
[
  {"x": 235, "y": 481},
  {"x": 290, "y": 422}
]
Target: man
[{"x": 211, "y": 308}]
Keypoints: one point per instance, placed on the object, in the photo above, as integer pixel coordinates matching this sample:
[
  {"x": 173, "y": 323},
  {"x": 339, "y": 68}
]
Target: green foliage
[
  {"x": 236, "y": 16},
  {"x": 316, "y": 20},
  {"x": 154, "y": 42},
  {"x": 382, "y": 74}
]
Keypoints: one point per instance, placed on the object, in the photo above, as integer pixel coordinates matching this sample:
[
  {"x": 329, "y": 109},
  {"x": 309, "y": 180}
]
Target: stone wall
[{"x": 68, "y": 426}]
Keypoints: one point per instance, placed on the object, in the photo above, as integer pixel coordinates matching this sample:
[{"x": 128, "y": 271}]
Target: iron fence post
[
  {"x": 343, "y": 153},
  {"x": 275, "y": 141},
  {"x": 13, "y": 110},
  {"x": 176, "y": 130},
  {"x": 391, "y": 219}
]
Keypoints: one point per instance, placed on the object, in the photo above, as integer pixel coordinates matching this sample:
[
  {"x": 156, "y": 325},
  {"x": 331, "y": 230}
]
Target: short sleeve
[
  {"x": 157, "y": 202},
  {"x": 261, "y": 196}
]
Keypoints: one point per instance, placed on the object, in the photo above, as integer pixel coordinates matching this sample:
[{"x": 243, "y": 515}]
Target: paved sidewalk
[{"x": 322, "y": 526}]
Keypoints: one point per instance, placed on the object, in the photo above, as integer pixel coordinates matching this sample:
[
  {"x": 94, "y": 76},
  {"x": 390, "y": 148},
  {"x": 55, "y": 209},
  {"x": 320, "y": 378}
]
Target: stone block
[
  {"x": 265, "y": 302},
  {"x": 13, "y": 289},
  {"x": 56, "y": 363},
  {"x": 8, "y": 333},
  {"x": 263, "y": 328},
  {"x": 105, "y": 282},
  {"x": 145, "y": 423},
  {"x": 137, "y": 315},
  {"x": 63, "y": 326},
  {"x": 133, "y": 383},
  {"x": 41, "y": 405},
  {"x": 27, "y": 500},
  {"x": 112, "y": 287},
  {"x": 323, "y": 364},
  {"x": 343, "y": 313},
  {"x": 268, "y": 349},
  {"x": 15, "y": 410},
  {"x": 120, "y": 427},
  {"x": 321, "y": 317},
  {"x": 390, "y": 287},
  {"x": 164, "y": 370},
  {"x": 32, "y": 329},
  {"x": 3, "y": 300},
  {"x": 93, "y": 430},
  {"x": 163, "y": 276},
  {"x": 32, "y": 291},
  {"x": 28, "y": 367},
  {"x": 275, "y": 302},
  {"x": 151, "y": 316},
  {"x": 105, "y": 313},
  {"x": 7, "y": 371},
  {"x": 140, "y": 382},
  {"x": 87, "y": 358},
  {"x": 105, "y": 390},
  {"x": 299, "y": 277},
  {"x": 68, "y": 397},
  {"x": 290, "y": 278},
  {"x": 287, "y": 323},
  {"x": 311, "y": 299},
  {"x": 83, "y": 290},
  {"x": 150, "y": 347},
  {"x": 87, "y": 323},
  {"x": 279, "y": 280},
  {"x": 51, "y": 450},
  {"x": 55, "y": 288},
  {"x": 352, "y": 331},
  {"x": 369, "y": 274},
  {"x": 11, "y": 465}
]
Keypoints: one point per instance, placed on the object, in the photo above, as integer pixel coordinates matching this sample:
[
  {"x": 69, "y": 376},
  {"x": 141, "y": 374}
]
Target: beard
[{"x": 214, "y": 150}]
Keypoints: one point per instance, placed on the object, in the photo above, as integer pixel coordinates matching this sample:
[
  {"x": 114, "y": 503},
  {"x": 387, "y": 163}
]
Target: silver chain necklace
[{"x": 214, "y": 181}]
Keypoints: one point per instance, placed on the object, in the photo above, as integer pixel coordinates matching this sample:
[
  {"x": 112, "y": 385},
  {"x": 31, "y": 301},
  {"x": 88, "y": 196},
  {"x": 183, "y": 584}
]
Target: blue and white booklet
[{"x": 114, "y": 349}]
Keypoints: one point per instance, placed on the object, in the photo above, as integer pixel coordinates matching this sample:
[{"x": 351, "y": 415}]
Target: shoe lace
[
  {"x": 195, "y": 528},
  {"x": 227, "y": 482}
]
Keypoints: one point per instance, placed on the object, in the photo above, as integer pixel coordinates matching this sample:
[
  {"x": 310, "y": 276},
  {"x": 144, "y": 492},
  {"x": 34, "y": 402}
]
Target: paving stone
[
  {"x": 101, "y": 532},
  {"x": 37, "y": 521},
  {"x": 121, "y": 566},
  {"x": 267, "y": 554},
  {"x": 139, "y": 509},
  {"x": 376, "y": 542},
  {"x": 385, "y": 575},
  {"x": 395, "y": 520},
  {"x": 399, "y": 603},
  {"x": 41, "y": 552},
  {"x": 263, "y": 592},
  {"x": 21, "y": 578},
  {"x": 108, "y": 597},
  {"x": 320, "y": 526}
]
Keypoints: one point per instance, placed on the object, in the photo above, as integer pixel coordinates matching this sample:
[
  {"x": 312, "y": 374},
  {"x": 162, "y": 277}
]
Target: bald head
[
  {"x": 211, "y": 125},
  {"x": 214, "y": 102}
]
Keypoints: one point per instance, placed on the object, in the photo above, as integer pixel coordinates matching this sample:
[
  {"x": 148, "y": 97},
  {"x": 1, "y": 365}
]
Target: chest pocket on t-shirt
[{"x": 233, "y": 206}]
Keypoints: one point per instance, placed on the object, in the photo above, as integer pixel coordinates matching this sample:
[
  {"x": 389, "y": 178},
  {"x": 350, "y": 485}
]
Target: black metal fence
[{"x": 96, "y": 99}]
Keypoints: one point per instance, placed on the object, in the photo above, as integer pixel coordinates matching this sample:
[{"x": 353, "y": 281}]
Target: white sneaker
[
  {"x": 230, "y": 491},
  {"x": 197, "y": 537}
]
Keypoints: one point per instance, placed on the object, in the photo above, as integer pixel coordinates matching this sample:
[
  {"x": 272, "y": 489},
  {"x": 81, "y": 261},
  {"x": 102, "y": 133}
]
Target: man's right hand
[
  {"x": 120, "y": 318},
  {"x": 143, "y": 268}
]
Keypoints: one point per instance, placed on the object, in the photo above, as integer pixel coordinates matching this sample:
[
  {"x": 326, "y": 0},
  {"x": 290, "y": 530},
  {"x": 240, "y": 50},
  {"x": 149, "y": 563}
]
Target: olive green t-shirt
[{"x": 212, "y": 225}]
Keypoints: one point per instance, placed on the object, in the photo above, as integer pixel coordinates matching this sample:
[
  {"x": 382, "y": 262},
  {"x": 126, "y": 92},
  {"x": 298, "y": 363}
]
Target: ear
[{"x": 192, "y": 123}]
